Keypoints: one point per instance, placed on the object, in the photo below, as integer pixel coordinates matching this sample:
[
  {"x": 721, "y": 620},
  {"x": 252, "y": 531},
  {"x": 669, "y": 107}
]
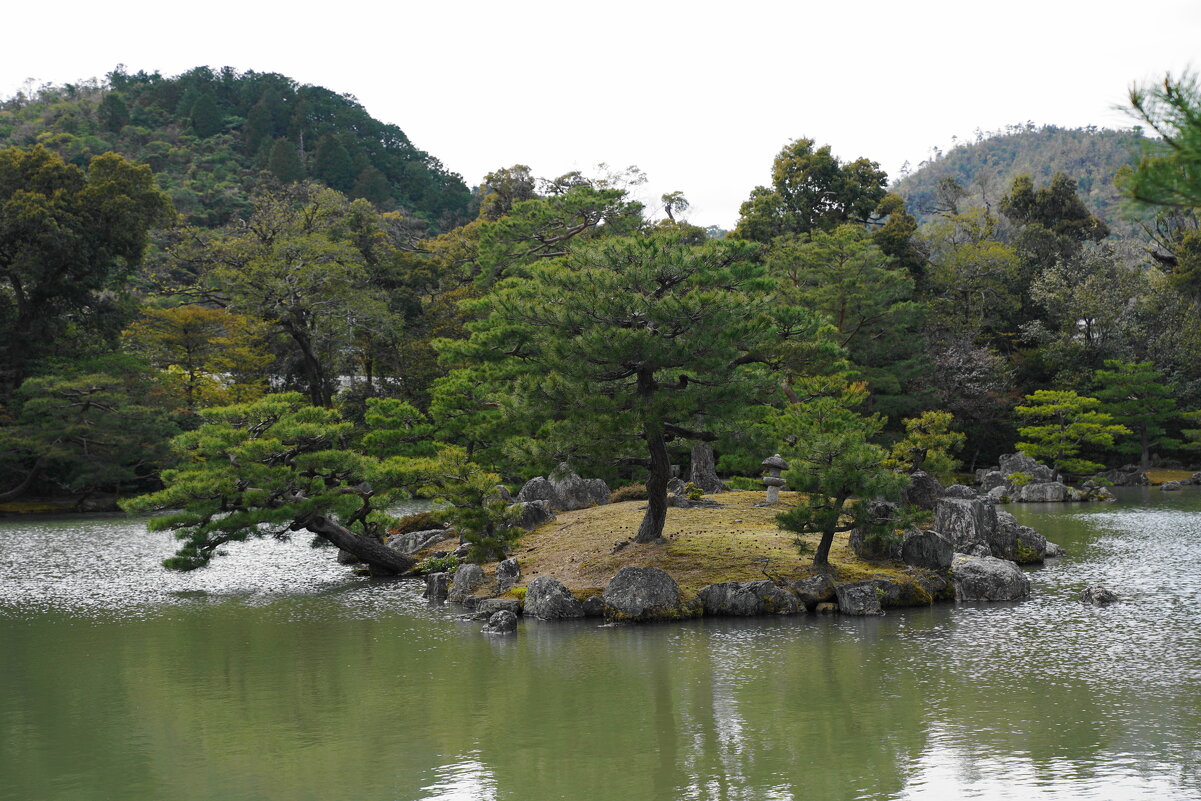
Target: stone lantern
[{"x": 773, "y": 465}]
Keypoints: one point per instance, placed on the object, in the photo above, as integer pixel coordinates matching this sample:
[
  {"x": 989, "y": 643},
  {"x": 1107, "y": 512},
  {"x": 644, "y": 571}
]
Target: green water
[{"x": 276, "y": 675}]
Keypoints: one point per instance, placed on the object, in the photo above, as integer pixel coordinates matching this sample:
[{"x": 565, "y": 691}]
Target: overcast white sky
[{"x": 700, "y": 95}]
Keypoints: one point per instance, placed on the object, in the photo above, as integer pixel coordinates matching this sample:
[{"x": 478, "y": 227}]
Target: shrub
[
  {"x": 1019, "y": 479},
  {"x": 438, "y": 564},
  {"x": 692, "y": 492},
  {"x": 420, "y": 521},
  {"x": 631, "y": 492},
  {"x": 744, "y": 483}
]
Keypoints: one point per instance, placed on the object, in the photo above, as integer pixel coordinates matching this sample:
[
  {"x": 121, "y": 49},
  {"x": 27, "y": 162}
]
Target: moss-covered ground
[
  {"x": 1157, "y": 476},
  {"x": 738, "y": 542}
]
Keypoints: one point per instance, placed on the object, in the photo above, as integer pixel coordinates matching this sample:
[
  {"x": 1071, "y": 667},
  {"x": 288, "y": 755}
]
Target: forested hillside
[
  {"x": 986, "y": 166},
  {"x": 216, "y": 137}
]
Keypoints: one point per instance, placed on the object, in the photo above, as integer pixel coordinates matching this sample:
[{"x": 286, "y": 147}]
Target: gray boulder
[
  {"x": 1000, "y": 494},
  {"x": 502, "y": 622},
  {"x": 1021, "y": 463},
  {"x": 814, "y": 590},
  {"x": 537, "y": 488},
  {"x": 548, "y": 599},
  {"x": 1098, "y": 596},
  {"x": 1130, "y": 475},
  {"x": 1052, "y": 551},
  {"x": 986, "y": 578},
  {"x": 926, "y": 549},
  {"x": 414, "y": 541},
  {"x": 747, "y": 598},
  {"x": 503, "y": 493},
  {"x": 507, "y": 575},
  {"x": 1170, "y": 486},
  {"x": 924, "y": 490},
  {"x": 959, "y": 491},
  {"x": 875, "y": 549},
  {"x": 565, "y": 491},
  {"x": 534, "y": 514},
  {"x": 490, "y": 606},
  {"x": 594, "y": 606},
  {"x": 573, "y": 492},
  {"x": 1196, "y": 478},
  {"x": 675, "y": 485},
  {"x": 990, "y": 479},
  {"x": 966, "y": 524},
  {"x": 467, "y": 578},
  {"x": 639, "y": 594},
  {"x": 861, "y": 598},
  {"x": 1015, "y": 542},
  {"x": 1044, "y": 492},
  {"x": 437, "y": 585}
]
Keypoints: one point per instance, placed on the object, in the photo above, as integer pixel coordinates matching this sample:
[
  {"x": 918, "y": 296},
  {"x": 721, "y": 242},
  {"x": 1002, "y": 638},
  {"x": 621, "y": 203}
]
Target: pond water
[{"x": 276, "y": 675}]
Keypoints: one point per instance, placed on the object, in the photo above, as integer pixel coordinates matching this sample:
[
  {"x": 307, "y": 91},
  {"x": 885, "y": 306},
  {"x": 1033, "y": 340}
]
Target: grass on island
[
  {"x": 1157, "y": 476},
  {"x": 704, "y": 546}
]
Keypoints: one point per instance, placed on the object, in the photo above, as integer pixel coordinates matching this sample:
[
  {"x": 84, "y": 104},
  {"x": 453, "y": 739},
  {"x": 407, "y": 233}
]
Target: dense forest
[{"x": 253, "y": 292}]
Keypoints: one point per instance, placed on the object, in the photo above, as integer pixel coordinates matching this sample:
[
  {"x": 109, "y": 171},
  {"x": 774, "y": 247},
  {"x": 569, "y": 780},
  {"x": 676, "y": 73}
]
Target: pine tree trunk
[
  {"x": 651, "y": 528},
  {"x": 382, "y": 559}
]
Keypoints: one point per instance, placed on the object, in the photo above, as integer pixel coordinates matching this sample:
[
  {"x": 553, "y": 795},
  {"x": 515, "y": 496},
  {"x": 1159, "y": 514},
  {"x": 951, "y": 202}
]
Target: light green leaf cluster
[{"x": 1061, "y": 423}]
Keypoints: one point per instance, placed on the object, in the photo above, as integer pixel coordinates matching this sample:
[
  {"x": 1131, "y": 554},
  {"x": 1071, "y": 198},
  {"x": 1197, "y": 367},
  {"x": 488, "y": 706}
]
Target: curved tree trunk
[
  {"x": 651, "y": 528},
  {"x": 382, "y": 559}
]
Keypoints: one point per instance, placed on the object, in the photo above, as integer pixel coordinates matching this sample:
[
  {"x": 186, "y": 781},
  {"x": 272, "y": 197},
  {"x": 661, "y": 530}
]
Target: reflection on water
[{"x": 277, "y": 675}]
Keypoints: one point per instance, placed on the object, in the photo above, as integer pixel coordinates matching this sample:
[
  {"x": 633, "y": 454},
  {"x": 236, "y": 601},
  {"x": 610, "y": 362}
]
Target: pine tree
[{"x": 1135, "y": 394}]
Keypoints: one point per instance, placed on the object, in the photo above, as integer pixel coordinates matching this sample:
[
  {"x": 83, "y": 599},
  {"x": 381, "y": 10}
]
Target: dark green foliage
[
  {"x": 832, "y": 461},
  {"x": 1136, "y": 396},
  {"x": 1168, "y": 173},
  {"x": 420, "y": 521},
  {"x": 205, "y": 116},
  {"x": 207, "y": 135},
  {"x": 268, "y": 468},
  {"x": 112, "y": 113},
  {"x": 93, "y": 428},
  {"x": 333, "y": 165},
  {"x": 67, "y": 236},
  {"x": 613, "y": 351},
  {"x": 284, "y": 161},
  {"x": 811, "y": 190}
]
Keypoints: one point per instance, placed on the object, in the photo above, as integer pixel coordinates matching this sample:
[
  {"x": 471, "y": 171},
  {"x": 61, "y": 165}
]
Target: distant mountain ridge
[
  {"x": 214, "y": 137},
  {"x": 987, "y": 167}
]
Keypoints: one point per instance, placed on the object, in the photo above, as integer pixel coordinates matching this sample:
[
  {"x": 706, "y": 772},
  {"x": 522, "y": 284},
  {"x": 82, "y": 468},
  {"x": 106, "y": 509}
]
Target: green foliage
[
  {"x": 692, "y": 492},
  {"x": 267, "y": 468},
  {"x": 614, "y": 349},
  {"x": 208, "y": 135},
  {"x": 630, "y": 492},
  {"x": 930, "y": 443},
  {"x": 844, "y": 276},
  {"x": 418, "y": 521},
  {"x": 980, "y": 169},
  {"x": 67, "y": 237},
  {"x": 474, "y": 508},
  {"x": 1168, "y": 173},
  {"x": 811, "y": 190},
  {"x": 744, "y": 483},
  {"x": 284, "y": 161},
  {"x": 1019, "y": 479},
  {"x": 832, "y": 461},
  {"x": 1135, "y": 395},
  {"x": 438, "y": 564},
  {"x": 97, "y": 427},
  {"x": 1061, "y": 422}
]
